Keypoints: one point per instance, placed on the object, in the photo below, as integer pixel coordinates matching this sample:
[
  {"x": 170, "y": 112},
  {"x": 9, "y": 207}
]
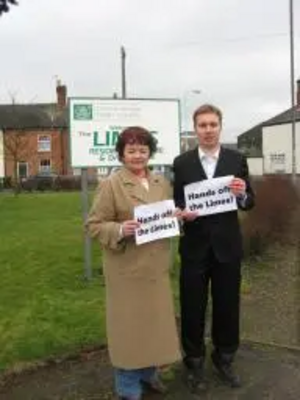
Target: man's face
[{"x": 208, "y": 129}]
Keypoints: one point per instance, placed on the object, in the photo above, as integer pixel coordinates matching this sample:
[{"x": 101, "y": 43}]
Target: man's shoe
[
  {"x": 196, "y": 381},
  {"x": 155, "y": 386},
  {"x": 194, "y": 374},
  {"x": 226, "y": 371}
]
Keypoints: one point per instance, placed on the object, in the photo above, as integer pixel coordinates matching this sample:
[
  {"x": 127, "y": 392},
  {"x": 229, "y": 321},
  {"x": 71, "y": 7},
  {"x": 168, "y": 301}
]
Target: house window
[
  {"x": 44, "y": 143},
  {"x": 76, "y": 171},
  {"x": 278, "y": 161},
  {"x": 277, "y": 158},
  {"x": 45, "y": 166}
]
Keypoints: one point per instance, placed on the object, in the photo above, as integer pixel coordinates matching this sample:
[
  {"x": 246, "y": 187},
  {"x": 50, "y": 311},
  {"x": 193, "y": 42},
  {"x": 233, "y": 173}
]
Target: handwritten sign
[
  {"x": 157, "y": 221},
  {"x": 211, "y": 196}
]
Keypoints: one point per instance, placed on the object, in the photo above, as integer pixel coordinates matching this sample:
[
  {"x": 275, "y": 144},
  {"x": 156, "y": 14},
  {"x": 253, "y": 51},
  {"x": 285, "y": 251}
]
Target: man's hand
[
  {"x": 238, "y": 187},
  {"x": 187, "y": 215},
  {"x": 177, "y": 214},
  {"x": 129, "y": 227}
]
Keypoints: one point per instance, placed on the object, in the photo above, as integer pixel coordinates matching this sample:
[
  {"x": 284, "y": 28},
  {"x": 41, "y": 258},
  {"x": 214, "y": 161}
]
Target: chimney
[
  {"x": 61, "y": 93},
  {"x": 298, "y": 94}
]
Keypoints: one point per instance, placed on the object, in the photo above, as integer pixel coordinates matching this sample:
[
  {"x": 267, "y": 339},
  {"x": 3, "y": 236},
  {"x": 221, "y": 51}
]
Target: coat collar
[
  {"x": 135, "y": 187},
  {"x": 202, "y": 154},
  {"x": 129, "y": 178}
]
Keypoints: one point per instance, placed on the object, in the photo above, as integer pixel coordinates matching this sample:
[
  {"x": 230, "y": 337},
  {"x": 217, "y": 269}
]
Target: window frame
[
  {"x": 41, "y": 140},
  {"x": 45, "y": 169}
]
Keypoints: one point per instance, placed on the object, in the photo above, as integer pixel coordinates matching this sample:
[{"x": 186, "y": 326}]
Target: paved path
[{"x": 267, "y": 373}]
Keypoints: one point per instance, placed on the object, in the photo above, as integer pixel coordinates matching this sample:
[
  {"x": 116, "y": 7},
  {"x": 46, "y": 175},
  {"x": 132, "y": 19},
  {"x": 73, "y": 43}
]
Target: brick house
[{"x": 34, "y": 137}]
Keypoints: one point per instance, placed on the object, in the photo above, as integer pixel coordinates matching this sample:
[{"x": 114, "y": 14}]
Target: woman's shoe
[
  {"x": 155, "y": 386},
  {"x": 129, "y": 398}
]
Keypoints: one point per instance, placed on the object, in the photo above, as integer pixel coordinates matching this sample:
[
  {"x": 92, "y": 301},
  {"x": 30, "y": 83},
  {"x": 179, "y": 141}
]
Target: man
[{"x": 211, "y": 251}]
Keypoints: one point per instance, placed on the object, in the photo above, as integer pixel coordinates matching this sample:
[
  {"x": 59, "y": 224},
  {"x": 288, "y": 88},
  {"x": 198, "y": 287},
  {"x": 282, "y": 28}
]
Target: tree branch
[{"x": 5, "y": 5}]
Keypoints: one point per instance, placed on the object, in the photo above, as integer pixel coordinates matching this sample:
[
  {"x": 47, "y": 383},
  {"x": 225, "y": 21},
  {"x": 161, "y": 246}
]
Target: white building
[
  {"x": 269, "y": 145},
  {"x": 256, "y": 166},
  {"x": 277, "y": 148}
]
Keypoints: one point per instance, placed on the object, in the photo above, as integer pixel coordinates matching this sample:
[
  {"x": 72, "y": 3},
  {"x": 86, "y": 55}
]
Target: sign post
[{"x": 85, "y": 211}]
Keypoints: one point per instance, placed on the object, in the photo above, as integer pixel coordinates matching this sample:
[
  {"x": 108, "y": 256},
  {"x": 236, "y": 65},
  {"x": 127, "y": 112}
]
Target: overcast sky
[{"x": 235, "y": 51}]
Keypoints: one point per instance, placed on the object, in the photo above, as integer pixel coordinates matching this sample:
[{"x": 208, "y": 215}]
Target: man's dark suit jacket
[{"x": 219, "y": 232}]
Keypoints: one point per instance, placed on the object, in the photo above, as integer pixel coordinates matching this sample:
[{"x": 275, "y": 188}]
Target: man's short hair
[{"x": 207, "y": 109}]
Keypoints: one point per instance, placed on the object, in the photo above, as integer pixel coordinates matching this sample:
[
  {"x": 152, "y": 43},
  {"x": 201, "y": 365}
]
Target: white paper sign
[
  {"x": 156, "y": 221},
  {"x": 211, "y": 196}
]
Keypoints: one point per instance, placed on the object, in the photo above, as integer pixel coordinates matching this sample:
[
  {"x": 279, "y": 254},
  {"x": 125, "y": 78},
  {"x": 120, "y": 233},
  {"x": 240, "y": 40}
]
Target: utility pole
[
  {"x": 292, "y": 76},
  {"x": 123, "y": 71}
]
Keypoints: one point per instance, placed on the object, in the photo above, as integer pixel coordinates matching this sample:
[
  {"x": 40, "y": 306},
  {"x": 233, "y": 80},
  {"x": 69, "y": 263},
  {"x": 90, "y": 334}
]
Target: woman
[{"x": 141, "y": 326}]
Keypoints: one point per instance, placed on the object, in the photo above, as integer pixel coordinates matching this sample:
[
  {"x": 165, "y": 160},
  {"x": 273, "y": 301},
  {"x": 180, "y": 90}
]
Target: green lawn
[{"x": 46, "y": 307}]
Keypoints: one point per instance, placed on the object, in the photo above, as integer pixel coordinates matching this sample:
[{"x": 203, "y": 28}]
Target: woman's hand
[
  {"x": 129, "y": 227},
  {"x": 185, "y": 215},
  {"x": 177, "y": 214},
  {"x": 189, "y": 215}
]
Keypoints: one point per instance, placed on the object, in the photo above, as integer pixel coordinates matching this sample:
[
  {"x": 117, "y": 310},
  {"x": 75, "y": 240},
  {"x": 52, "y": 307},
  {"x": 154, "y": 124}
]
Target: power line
[{"x": 232, "y": 40}]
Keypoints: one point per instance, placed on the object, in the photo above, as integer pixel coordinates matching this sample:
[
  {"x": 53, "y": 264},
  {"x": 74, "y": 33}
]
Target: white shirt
[
  {"x": 209, "y": 164},
  {"x": 209, "y": 161}
]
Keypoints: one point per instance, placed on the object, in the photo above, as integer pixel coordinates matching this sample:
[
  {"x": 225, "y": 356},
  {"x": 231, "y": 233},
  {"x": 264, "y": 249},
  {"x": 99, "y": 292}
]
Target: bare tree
[
  {"x": 16, "y": 144},
  {"x": 5, "y": 5}
]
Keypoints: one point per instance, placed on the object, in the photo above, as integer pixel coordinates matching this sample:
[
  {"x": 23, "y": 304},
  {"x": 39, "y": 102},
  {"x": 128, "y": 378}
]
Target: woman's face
[{"x": 136, "y": 157}]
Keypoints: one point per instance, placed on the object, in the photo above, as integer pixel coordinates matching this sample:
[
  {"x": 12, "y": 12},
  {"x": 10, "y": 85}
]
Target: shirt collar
[{"x": 203, "y": 154}]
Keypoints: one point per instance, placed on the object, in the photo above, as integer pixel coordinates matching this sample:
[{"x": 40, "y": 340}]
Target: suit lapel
[
  {"x": 197, "y": 170},
  {"x": 221, "y": 164}
]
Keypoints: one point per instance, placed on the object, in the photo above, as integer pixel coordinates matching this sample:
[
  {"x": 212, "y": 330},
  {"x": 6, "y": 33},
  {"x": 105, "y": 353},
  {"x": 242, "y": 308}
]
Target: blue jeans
[{"x": 128, "y": 382}]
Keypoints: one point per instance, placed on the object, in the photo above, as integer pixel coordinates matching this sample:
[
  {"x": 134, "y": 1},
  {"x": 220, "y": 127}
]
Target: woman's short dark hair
[{"x": 135, "y": 135}]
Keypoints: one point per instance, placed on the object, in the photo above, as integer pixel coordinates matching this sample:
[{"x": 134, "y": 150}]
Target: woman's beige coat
[{"x": 141, "y": 327}]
